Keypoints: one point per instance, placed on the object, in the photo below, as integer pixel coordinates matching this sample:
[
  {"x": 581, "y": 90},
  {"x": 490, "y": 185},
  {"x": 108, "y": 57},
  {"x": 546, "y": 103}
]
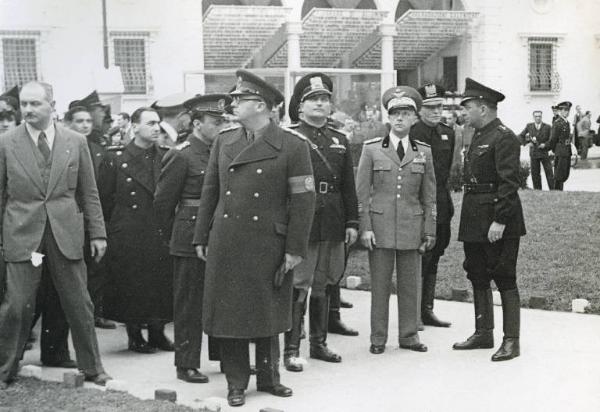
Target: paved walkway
[{"x": 557, "y": 371}]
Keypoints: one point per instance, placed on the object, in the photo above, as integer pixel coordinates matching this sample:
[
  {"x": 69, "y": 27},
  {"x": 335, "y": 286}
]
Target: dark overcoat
[
  {"x": 257, "y": 204},
  {"x": 140, "y": 274},
  {"x": 493, "y": 158}
]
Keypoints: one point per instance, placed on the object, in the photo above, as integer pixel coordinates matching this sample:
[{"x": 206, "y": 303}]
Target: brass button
[
  {"x": 124, "y": 165},
  {"x": 399, "y": 177},
  {"x": 98, "y": 154},
  {"x": 134, "y": 206},
  {"x": 255, "y": 218},
  {"x": 228, "y": 192},
  {"x": 231, "y": 170},
  {"x": 259, "y": 171},
  {"x": 128, "y": 180},
  {"x": 398, "y": 195},
  {"x": 399, "y": 187},
  {"x": 132, "y": 193},
  {"x": 256, "y": 194},
  {"x": 225, "y": 216},
  {"x": 201, "y": 172}
]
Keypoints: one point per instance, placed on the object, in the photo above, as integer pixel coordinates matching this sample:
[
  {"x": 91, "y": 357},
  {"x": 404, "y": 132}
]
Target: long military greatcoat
[
  {"x": 140, "y": 272},
  {"x": 257, "y": 204},
  {"x": 493, "y": 158}
]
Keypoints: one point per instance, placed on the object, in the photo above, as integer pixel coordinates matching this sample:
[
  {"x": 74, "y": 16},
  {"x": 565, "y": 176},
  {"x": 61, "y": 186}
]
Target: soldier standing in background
[
  {"x": 140, "y": 272},
  {"x": 441, "y": 138},
  {"x": 176, "y": 204},
  {"x": 491, "y": 220},
  {"x": 537, "y": 136},
  {"x": 335, "y": 222},
  {"x": 560, "y": 144}
]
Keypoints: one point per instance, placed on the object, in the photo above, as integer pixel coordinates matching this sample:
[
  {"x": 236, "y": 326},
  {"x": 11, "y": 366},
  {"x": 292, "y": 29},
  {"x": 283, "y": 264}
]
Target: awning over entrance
[
  {"x": 327, "y": 34},
  {"x": 233, "y": 33},
  {"x": 421, "y": 33}
]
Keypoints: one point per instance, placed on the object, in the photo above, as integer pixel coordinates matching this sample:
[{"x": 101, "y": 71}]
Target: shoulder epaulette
[
  {"x": 228, "y": 129},
  {"x": 183, "y": 145},
  {"x": 502, "y": 128},
  {"x": 115, "y": 147},
  {"x": 293, "y": 126},
  {"x": 330, "y": 127},
  {"x": 164, "y": 146},
  {"x": 373, "y": 140},
  {"x": 421, "y": 143},
  {"x": 295, "y": 133}
]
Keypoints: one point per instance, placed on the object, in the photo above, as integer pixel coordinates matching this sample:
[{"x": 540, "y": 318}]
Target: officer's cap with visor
[
  {"x": 477, "y": 91},
  {"x": 212, "y": 104},
  {"x": 432, "y": 94},
  {"x": 401, "y": 97},
  {"x": 310, "y": 85},
  {"x": 249, "y": 84},
  {"x": 564, "y": 106}
]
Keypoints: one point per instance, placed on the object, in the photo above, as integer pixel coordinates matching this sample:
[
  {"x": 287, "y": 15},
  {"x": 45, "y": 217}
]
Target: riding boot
[
  {"x": 428, "y": 317},
  {"x": 291, "y": 338},
  {"x": 483, "y": 338},
  {"x": 318, "y": 319},
  {"x": 511, "y": 318},
  {"x": 335, "y": 324}
]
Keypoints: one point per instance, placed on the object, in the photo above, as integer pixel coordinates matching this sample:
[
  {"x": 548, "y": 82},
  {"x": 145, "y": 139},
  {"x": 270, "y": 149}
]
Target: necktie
[
  {"x": 400, "y": 150},
  {"x": 250, "y": 136},
  {"x": 43, "y": 146}
]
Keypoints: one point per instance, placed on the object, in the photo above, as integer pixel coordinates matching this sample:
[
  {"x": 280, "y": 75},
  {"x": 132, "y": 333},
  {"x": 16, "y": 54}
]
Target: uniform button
[
  {"x": 132, "y": 193},
  {"x": 259, "y": 171},
  {"x": 398, "y": 195},
  {"x": 399, "y": 169},
  {"x": 128, "y": 180},
  {"x": 98, "y": 154},
  {"x": 399, "y": 177},
  {"x": 202, "y": 172},
  {"x": 134, "y": 206},
  {"x": 231, "y": 170},
  {"x": 255, "y": 218},
  {"x": 399, "y": 187},
  {"x": 228, "y": 192},
  {"x": 124, "y": 165},
  {"x": 256, "y": 194},
  {"x": 225, "y": 216}
]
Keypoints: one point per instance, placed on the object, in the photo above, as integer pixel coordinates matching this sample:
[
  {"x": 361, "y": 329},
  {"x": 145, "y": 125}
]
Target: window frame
[
  {"x": 143, "y": 35},
  {"x": 19, "y": 35},
  {"x": 555, "y": 40}
]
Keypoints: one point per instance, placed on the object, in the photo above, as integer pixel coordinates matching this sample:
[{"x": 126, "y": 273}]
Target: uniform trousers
[
  {"x": 235, "y": 359},
  {"x": 323, "y": 266},
  {"x": 408, "y": 281},
  {"x": 188, "y": 289},
  {"x": 536, "y": 176},
  {"x": 431, "y": 259},
  {"x": 485, "y": 261},
  {"x": 17, "y": 308},
  {"x": 562, "y": 169}
]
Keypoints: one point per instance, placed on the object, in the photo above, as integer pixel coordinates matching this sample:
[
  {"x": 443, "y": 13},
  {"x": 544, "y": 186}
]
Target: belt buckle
[{"x": 323, "y": 187}]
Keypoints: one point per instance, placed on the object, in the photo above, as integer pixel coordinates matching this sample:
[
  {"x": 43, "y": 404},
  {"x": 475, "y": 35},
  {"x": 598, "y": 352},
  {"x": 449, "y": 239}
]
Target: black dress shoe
[
  {"x": 322, "y": 352},
  {"x": 68, "y": 364},
  {"x": 104, "y": 323},
  {"x": 141, "y": 347},
  {"x": 508, "y": 350},
  {"x": 236, "y": 397},
  {"x": 417, "y": 347},
  {"x": 277, "y": 390},
  {"x": 377, "y": 349},
  {"x": 191, "y": 375},
  {"x": 99, "y": 379}
]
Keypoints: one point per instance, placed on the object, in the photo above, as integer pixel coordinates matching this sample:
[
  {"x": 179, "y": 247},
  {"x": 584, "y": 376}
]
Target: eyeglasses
[{"x": 237, "y": 99}]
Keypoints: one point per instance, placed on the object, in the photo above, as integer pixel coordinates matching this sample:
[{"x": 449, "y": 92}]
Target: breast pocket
[
  {"x": 418, "y": 168},
  {"x": 381, "y": 169},
  {"x": 72, "y": 172}
]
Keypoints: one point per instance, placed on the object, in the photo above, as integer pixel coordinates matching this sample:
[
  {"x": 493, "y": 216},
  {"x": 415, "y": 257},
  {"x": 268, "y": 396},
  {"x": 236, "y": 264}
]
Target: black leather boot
[
  {"x": 318, "y": 317},
  {"x": 335, "y": 324},
  {"x": 483, "y": 338},
  {"x": 302, "y": 327},
  {"x": 511, "y": 318},
  {"x": 158, "y": 339},
  {"x": 291, "y": 338},
  {"x": 137, "y": 343},
  {"x": 427, "y": 315}
]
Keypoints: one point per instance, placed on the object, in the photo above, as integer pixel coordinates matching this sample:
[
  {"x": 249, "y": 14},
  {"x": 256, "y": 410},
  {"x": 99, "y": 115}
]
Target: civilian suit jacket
[{"x": 69, "y": 201}]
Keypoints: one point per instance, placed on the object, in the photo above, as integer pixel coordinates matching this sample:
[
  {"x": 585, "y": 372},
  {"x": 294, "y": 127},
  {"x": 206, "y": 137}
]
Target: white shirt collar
[
  {"x": 395, "y": 139},
  {"x": 35, "y": 133}
]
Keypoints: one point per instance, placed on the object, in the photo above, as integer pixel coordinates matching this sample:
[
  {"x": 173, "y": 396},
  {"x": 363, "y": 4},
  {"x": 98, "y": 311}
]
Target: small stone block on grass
[
  {"x": 579, "y": 305},
  {"x": 497, "y": 298},
  {"x": 460, "y": 295},
  {"x": 116, "y": 385},
  {"x": 537, "y": 302},
  {"x": 73, "y": 379},
  {"x": 31, "y": 371},
  {"x": 165, "y": 395},
  {"x": 270, "y": 410},
  {"x": 352, "y": 282}
]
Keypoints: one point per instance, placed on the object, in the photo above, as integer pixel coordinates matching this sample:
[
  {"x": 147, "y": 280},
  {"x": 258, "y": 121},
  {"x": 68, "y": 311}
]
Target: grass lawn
[
  {"x": 29, "y": 395},
  {"x": 559, "y": 258}
]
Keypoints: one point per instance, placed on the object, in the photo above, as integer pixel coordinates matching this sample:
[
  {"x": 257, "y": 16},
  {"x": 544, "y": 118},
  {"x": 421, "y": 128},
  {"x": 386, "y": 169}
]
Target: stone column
[
  {"x": 388, "y": 32},
  {"x": 293, "y": 31}
]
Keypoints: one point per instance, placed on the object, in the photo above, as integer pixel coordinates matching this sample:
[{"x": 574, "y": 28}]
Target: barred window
[
  {"x": 130, "y": 56},
  {"x": 542, "y": 64},
  {"x": 19, "y": 57}
]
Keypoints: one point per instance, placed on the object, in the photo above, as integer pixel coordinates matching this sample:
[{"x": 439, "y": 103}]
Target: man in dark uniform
[
  {"x": 560, "y": 144},
  {"x": 429, "y": 129},
  {"x": 554, "y": 113},
  {"x": 491, "y": 220},
  {"x": 257, "y": 205},
  {"x": 175, "y": 118},
  {"x": 176, "y": 202},
  {"x": 537, "y": 136},
  {"x": 335, "y": 224},
  {"x": 101, "y": 119},
  {"x": 140, "y": 278}
]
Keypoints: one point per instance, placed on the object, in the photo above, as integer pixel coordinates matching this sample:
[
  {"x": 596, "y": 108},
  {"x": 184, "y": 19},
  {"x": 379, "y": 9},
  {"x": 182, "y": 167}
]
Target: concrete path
[{"x": 557, "y": 371}]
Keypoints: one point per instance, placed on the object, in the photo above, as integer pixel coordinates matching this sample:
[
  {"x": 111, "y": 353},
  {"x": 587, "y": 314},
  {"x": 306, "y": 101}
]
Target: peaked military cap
[
  {"x": 564, "y": 105},
  {"x": 475, "y": 90},
  {"x": 401, "y": 97},
  {"x": 9, "y": 100},
  {"x": 432, "y": 94},
  {"x": 88, "y": 101},
  {"x": 214, "y": 104},
  {"x": 172, "y": 101},
  {"x": 312, "y": 84},
  {"x": 251, "y": 84}
]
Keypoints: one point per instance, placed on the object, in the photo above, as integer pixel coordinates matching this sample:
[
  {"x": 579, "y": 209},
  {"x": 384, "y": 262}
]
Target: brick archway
[
  {"x": 308, "y": 5},
  {"x": 207, "y": 3},
  {"x": 405, "y": 5}
]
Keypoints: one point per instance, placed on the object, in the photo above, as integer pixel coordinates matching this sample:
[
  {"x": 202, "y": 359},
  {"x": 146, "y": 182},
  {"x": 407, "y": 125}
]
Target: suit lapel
[
  {"x": 390, "y": 152},
  {"x": 23, "y": 150},
  {"x": 266, "y": 147},
  {"x": 235, "y": 146},
  {"x": 60, "y": 155}
]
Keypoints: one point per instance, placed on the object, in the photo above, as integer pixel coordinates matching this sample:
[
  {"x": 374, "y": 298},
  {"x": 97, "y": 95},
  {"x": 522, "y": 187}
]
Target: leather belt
[
  {"x": 480, "y": 188},
  {"x": 190, "y": 202},
  {"x": 326, "y": 187}
]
